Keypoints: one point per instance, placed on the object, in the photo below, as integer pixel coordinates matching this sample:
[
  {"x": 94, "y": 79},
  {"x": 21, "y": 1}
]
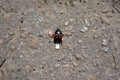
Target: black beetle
[{"x": 58, "y": 36}]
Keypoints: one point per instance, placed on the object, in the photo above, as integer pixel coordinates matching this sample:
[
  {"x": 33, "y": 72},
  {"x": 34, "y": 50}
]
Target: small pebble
[
  {"x": 52, "y": 75},
  {"x": 87, "y": 22},
  {"x": 57, "y": 65},
  {"x": 103, "y": 28},
  {"x": 21, "y": 56},
  {"x": 21, "y": 43},
  {"x": 93, "y": 30},
  {"x": 85, "y": 35},
  {"x": 6, "y": 16},
  {"x": 59, "y": 59},
  {"x": 40, "y": 19},
  {"x": 65, "y": 62},
  {"x": 66, "y": 23},
  {"x": 84, "y": 29},
  {"x": 105, "y": 49},
  {"x": 105, "y": 42},
  {"x": 71, "y": 20},
  {"x": 95, "y": 36},
  {"x": 11, "y": 47},
  {"x": 11, "y": 33},
  {"x": 61, "y": 11},
  {"x": 79, "y": 41},
  {"x": 75, "y": 64},
  {"x": 50, "y": 33},
  {"x": 104, "y": 20},
  {"x": 73, "y": 3}
]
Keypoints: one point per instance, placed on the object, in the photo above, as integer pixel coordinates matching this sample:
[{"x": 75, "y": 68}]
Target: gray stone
[
  {"x": 105, "y": 42},
  {"x": 40, "y": 19},
  {"x": 12, "y": 47},
  {"x": 66, "y": 23},
  {"x": 83, "y": 29},
  {"x": 57, "y": 65},
  {"x": 87, "y": 22},
  {"x": 75, "y": 64},
  {"x": 105, "y": 49},
  {"x": 95, "y": 36},
  {"x": 79, "y": 41},
  {"x": 71, "y": 19}
]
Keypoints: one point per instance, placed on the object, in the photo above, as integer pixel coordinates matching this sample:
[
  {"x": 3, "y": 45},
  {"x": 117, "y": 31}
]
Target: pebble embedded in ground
[{"x": 83, "y": 29}]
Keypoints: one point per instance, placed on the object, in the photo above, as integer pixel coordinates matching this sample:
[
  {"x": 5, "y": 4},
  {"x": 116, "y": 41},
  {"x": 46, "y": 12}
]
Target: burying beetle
[{"x": 58, "y": 38}]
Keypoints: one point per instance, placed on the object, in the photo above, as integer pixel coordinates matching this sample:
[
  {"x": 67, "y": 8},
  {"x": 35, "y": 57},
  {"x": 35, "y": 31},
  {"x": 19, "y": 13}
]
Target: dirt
[{"x": 91, "y": 41}]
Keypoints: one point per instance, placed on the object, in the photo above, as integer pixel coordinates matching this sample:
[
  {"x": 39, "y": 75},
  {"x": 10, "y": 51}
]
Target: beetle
[{"x": 58, "y": 36}]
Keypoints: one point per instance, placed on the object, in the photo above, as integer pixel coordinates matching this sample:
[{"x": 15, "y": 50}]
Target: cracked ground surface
[{"x": 91, "y": 42}]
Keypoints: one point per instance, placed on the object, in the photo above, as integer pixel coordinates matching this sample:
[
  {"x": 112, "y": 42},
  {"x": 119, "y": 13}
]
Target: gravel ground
[{"x": 91, "y": 42}]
